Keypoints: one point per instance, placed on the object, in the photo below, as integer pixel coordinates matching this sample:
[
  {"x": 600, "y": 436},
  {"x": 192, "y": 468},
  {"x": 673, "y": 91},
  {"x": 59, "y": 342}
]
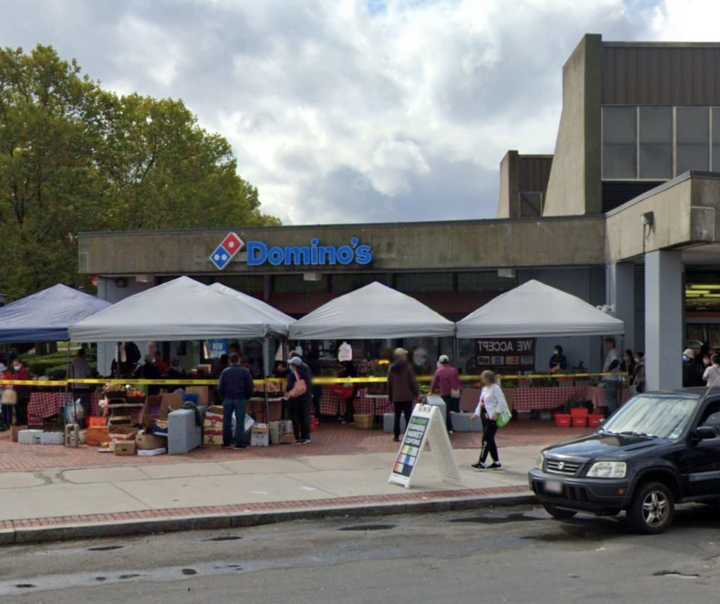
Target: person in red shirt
[{"x": 446, "y": 383}]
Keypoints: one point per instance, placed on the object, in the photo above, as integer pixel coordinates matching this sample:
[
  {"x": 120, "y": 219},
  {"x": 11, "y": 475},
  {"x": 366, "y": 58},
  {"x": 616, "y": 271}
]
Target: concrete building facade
[{"x": 623, "y": 213}]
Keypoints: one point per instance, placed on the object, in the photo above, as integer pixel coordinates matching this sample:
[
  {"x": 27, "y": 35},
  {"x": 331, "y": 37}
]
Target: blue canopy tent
[{"x": 46, "y": 315}]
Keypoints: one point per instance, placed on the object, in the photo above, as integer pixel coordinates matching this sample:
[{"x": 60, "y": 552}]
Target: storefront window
[
  {"x": 716, "y": 139},
  {"x": 656, "y": 161},
  {"x": 693, "y": 134},
  {"x": 296, "y": 284},
  {"x": 248, "y": 284},
  {"x": 424, "y": 282},
  {"x": 619, "y": 142},
  {"x": 483, "y": 281},
  {"x": 347, "y": 282}
]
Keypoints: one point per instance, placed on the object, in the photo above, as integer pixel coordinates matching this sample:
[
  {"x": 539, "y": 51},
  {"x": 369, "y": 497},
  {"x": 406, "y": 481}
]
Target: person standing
[
  {"x": 611, "y": 382},
  {"x": 7, "y": 410},
  {"x": 446, "y": 382},
  {"x": 558, "y": 360},
  {"x": 639, "y": 377},
  {"x": 20, "y": 372},
  {"x": 712, "y": 373},
  {"x": 402, "y": 388},
  {"x": 235, "y": 387},
  {"x": 79, "y": 369},
  {"x": 299, "y": 397},
  {"x": 491, "y": 405}
]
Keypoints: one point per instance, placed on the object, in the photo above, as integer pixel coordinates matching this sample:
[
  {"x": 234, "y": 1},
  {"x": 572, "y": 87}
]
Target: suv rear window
[{"x": 660, "y": 416}]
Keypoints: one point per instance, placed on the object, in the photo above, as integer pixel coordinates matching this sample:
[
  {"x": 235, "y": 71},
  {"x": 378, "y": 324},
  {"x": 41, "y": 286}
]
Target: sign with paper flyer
[{"x": 426, "y": 425}]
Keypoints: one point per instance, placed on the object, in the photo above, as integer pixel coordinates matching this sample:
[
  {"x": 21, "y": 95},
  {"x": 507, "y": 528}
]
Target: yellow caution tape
[{"x": 320, "y": 381}]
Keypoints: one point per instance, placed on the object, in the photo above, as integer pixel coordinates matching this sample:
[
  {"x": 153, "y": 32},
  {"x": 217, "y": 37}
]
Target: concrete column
[
  {"x": 663, "y": 319},
  {"x": 620, "y": 290},
  {"x": 105, "y": 351}
]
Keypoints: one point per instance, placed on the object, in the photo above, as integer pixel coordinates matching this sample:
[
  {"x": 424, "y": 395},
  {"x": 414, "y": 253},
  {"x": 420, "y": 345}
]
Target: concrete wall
[
  {"x": 574, "y": 186},
  {"x": 508, "y": 184},
  {"x": 685, "y": 211},
  {"x": 411, "y": 246}
]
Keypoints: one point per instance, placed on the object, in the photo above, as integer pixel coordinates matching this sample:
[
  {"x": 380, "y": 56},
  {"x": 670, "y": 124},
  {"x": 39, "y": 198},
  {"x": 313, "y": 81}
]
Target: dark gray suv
[{"x": 657, "y": 450}]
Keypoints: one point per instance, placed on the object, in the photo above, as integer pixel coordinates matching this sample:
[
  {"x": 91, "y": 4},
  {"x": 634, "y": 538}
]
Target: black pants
[
  {"x": 452, "y": 404},
  {"x": 300, "y": 415},
  {"x": 489, "y": 446},
  {"x": 401, "y": 408}
]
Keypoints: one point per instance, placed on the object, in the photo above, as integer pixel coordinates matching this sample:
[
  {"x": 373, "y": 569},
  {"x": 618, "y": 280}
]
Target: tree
[{"x": 75, "y": 157}]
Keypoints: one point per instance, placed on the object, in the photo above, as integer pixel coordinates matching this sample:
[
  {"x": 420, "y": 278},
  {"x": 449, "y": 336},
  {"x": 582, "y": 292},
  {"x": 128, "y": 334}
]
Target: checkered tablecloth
[
  {"x": 333, "y": 405},
  {"x": 46, "y": 404}
]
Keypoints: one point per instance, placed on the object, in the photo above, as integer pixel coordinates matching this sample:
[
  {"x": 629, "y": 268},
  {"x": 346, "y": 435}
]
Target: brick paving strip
[{"x": 59, "y": 528}]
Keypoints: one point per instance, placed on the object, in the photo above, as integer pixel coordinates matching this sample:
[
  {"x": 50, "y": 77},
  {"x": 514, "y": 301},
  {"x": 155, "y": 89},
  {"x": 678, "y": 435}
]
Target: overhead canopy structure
[
  {"x": 371, "y": 312},
  {"x": 275, "y": 321},
  {"x": 181, "y": 309},
  {"x": 46, "y": 315},
  {"x": 534, "y": 309}
]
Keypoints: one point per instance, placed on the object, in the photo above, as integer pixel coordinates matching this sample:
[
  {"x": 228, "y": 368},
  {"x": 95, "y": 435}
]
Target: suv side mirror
[{"x": 705, "y": 433}]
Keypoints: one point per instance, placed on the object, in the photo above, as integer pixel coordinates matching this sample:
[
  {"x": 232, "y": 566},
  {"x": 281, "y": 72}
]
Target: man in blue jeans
[{"x": 235, "y": 387}]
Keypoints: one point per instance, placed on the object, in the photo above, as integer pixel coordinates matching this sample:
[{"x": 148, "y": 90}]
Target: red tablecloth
[
  {"x": 524, "y": 399},
  {"x": 46, "y": 404},
  {"x": 333, "y": 405}
]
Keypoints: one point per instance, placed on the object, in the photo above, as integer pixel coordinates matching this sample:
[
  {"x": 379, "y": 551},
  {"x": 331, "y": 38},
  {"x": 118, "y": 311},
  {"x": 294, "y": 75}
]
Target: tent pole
[{"x": 266, "y": 374}]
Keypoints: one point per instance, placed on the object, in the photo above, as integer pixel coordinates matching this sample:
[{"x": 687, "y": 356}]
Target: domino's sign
[{"x": 315, "y": 254}]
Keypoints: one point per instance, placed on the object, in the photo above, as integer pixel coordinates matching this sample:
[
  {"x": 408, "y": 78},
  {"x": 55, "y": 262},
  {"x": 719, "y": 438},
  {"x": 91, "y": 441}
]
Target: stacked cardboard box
[{"x": 213, "y": 426}]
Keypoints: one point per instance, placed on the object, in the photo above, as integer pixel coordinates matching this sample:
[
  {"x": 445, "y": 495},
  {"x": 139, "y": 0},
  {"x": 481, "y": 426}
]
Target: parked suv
[{"x": 657, "y": 450}]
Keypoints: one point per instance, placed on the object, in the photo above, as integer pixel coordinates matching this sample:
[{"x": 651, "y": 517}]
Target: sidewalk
[{"x": 243, "y": 487}]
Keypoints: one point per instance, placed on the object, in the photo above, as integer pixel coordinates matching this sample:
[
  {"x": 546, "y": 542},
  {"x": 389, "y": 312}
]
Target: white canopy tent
[
  {"x": 372, "y": 312},
  {"x": 181, "y": 309},
  {"x": 277, "y": 322},
  {"x": 536, "y": 310}
]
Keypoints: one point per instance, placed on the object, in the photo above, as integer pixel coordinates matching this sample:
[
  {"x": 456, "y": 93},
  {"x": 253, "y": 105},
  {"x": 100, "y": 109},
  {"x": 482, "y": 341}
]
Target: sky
[{"x": 355, "y": 110}]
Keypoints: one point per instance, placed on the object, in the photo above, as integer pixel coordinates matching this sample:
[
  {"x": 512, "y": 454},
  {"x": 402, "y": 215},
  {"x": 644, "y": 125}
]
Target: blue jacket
[{"x": 235, "y": 383}]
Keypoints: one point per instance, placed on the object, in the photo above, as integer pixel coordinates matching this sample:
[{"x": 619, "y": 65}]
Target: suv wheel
[
  {"x": 559, "y": 513},
  {"x": 652, "y": 508}
]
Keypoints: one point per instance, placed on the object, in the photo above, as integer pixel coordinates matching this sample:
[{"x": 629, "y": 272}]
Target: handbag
[
  {"x": 9, "y": 397},
  {"x": 503, "y": 419},
  {"x": 299, "y": 388}
]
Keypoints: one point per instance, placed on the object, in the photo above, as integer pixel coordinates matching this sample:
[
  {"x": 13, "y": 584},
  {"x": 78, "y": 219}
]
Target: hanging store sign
[
  {"x": 508, "y": 355},
  {"x": 259, "y": 253}
]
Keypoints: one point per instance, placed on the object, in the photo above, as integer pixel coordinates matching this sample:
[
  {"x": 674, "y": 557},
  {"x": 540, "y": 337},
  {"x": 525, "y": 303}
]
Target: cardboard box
[
  {"x": 260, "y": 436},
  {"x": 171, "y": 401},
  {"x": 203, "y": 393},
  {"x": 213, "y": 440},
  {"x": 125, "y": 447},
  {"x": 363, "y": 422},
  {"x": 95, "y": 437},
  {"x": 148, "y": 442},
  {"x": 14, "y": 431}
]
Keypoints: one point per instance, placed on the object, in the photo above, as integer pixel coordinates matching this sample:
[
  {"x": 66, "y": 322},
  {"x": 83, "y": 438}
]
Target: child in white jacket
[{"x": 492, "y": 404}]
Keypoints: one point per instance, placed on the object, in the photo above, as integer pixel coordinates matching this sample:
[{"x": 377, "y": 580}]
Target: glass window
[
  {"x": 347, "y": 282},
  {"x": 716, "y": 139},
  {"x": 296, "y": 284},
  {"x": 693, "y": 133},
  {"x": 484, "y": 281},
  {"x": 424, "y": 282},
  {"x": 619, "y": 142},
  {"x": 656, "y": 136},
  {"x": 531, "y": 204}
]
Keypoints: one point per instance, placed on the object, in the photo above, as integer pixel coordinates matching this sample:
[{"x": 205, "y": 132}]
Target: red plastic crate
[
  {"x": 563, "y": 420},
  {"x": 580, "y": 421},
  {"x": 579, "y": 412},
  {"x": 595, "y": 421}
]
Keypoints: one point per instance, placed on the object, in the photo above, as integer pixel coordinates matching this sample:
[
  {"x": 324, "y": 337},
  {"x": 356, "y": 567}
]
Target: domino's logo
[{"x": 226, "y": 251}]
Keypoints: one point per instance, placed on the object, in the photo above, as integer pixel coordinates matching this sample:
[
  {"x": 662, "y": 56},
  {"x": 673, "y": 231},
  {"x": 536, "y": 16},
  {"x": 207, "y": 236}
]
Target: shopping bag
[
  {"x": 503, "y": 419},
  {"x": 249, "y": 423}
]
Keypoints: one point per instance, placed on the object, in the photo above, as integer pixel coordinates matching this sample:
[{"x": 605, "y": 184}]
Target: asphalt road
[{"x": 506, "y": 555}]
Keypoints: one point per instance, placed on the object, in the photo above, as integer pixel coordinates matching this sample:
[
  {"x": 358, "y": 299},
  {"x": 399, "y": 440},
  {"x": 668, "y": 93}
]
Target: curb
[{"x": 30, "y": 535}]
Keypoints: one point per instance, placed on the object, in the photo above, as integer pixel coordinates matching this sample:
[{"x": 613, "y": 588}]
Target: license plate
[{"x": 553, "y": 486}]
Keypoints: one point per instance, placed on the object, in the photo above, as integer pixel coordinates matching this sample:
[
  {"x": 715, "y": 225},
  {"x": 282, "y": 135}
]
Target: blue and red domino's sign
[{"x": 260, "y": 253}]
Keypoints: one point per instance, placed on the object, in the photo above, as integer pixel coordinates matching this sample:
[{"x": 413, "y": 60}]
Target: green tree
[{"x": 76, "y": 157}]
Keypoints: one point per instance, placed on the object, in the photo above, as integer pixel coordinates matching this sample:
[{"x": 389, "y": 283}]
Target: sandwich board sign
[{"x": 426, "y": 426}]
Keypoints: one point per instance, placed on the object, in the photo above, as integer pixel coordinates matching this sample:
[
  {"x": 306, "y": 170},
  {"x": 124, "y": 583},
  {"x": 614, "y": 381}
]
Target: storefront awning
[
  {"x": 46, "y": 315},
  {"x": 534, "y": 309},
  {"x": 371, "y": 312},
  {"x": 181, "y": 309}
]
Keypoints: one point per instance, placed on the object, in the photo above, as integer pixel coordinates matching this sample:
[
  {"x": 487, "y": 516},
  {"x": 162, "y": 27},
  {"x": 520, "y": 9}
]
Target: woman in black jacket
[{"x": 299, "y": 399}]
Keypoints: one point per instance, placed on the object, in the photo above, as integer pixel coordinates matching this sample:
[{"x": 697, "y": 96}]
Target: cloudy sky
[{"x": 355, "y": 110}]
